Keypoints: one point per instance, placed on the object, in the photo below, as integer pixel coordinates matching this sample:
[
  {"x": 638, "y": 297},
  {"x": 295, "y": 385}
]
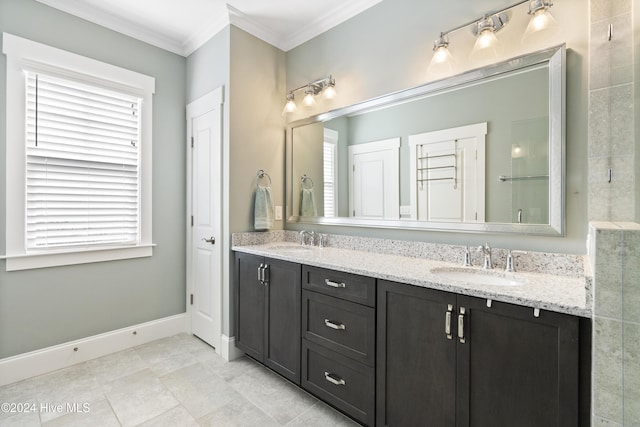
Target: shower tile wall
[
  {"x": 611, "y": 112},
  {"x": 615, "y": 246},
  {"x": 616, "y": 328}
]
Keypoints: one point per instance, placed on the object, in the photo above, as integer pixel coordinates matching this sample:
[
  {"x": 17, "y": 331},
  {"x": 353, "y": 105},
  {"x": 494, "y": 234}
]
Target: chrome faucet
[
  {"x": 307, "y": 238},
  {"x": 467, "y": 258},
  {"x": 509, "y": 265},
  {"x": 486, "y": 250}
]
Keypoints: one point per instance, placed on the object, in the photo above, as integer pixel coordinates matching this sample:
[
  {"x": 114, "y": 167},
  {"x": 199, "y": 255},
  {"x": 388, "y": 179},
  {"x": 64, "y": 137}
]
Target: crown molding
[
  {"x": 200, "y": 36},
  {"x": 324, "y": 23},
  {"x": 99, "y": 17}
]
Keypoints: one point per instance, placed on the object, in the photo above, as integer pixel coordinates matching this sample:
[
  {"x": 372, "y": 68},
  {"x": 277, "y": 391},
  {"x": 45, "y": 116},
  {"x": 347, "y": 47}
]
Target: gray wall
[
  {"x": 367, "y": 62},
  {"x": 253, "y": 74},
  {"x": 43, "y": 307}
]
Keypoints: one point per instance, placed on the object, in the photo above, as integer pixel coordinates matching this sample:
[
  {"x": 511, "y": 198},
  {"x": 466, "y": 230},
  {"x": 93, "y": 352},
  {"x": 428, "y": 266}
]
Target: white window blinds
[
  {"x": 82, "y": 164},
  {"x": 329, "y": 173}
]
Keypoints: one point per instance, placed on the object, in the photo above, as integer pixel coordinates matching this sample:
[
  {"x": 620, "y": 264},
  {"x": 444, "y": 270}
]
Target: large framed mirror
[{"x": 481, "y": 151}]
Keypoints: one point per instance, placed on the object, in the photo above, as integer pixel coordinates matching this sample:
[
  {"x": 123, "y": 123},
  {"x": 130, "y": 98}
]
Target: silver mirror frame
[{"x": 556, "y": 59}]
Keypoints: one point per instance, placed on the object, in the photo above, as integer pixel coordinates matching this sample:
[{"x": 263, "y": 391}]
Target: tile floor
[{"x": 176, "y": 381}]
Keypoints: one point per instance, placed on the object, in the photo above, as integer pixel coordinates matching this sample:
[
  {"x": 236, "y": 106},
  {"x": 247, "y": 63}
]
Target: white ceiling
[{"x": 181, "y": 26}]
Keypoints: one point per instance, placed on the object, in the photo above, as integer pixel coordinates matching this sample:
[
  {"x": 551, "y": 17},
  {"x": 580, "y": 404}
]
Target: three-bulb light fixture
[
  {"x": 326, "y": 86},
  {"x": 485, "y": 30}
]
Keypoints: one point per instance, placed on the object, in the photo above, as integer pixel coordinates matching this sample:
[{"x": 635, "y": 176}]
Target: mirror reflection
[{"x": 476, "y": 150}]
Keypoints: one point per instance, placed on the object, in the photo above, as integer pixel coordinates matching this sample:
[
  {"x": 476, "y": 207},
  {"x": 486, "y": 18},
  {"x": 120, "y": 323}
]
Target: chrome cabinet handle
[
  {"x": 334, "y": 284},
  {"x": 334, "y": 379},
  {"x": 337, "y": 326},
  {"x": 261, "y": 274},
  {"x": 461, "y": 325},
  {"x": 265, "y": 274},
  {"x": 211, "y": 240},
  {"x": 447, "y": 322}
]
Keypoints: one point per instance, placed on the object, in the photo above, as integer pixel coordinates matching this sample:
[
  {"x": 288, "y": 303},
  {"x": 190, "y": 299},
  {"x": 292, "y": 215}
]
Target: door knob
[{"x": 211, "y": 240}]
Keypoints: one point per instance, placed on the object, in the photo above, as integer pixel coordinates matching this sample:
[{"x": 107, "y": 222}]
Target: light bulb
[
  {"x": 442, "y": 61},
  {"x": 309, "y": 100},
  {"x": 329, "y": 92},
  {"x": 290, "y": 106},
  {"x": 486, "y": 46},
  {"x": 542, "y": 21}
]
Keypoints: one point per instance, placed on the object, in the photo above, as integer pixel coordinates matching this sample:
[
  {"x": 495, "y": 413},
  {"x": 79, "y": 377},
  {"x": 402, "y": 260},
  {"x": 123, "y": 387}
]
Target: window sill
[{"x": 72, "y": 257}]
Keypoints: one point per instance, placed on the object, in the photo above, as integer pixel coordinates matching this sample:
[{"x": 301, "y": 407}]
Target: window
[{"x": 78, "y": 158}]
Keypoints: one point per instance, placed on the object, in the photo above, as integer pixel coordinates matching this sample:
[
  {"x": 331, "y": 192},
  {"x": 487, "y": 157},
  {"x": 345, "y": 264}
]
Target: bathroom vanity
[{"x": 395, "y": 340}]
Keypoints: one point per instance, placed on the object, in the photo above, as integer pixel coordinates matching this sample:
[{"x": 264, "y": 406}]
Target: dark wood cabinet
[
  {"x": 450, "y": 360},
  {"x": 415, "y": 372},
  {"x": 268, "y": 312},
  {"x": 338, "y": 340}
]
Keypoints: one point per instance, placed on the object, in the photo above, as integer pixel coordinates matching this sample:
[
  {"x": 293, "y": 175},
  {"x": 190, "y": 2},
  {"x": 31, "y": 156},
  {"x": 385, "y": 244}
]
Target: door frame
[{"x": 200, "y": 106}]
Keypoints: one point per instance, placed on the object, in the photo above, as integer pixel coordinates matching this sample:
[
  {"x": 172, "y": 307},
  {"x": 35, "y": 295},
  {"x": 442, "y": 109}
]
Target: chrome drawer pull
[
  {"x": 461, "y": 325},
  {"x": 337, "y": 326},
  {"x": 447, "y": 322},
  {"x": 333, "y": 379},
  {"x": 334, "y": 284}
]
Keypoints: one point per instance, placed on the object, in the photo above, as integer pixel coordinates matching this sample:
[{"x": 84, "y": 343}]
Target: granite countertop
[{"x": 559, "y": 293}]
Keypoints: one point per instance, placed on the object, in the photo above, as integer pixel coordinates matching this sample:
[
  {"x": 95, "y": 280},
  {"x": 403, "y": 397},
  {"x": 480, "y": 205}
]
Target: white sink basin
[{"x": 478, "y": 277}]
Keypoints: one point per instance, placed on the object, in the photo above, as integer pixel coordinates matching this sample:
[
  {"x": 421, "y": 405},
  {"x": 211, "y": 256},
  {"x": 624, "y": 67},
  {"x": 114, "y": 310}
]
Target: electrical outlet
[
  {"x": 278, "y": 213},
  {"x": 405, "y": 210}
]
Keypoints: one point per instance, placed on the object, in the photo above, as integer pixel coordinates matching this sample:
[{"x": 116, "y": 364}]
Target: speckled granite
[
  {"x": 536, "y": 262},
  {"x": 555, "y": 292}
]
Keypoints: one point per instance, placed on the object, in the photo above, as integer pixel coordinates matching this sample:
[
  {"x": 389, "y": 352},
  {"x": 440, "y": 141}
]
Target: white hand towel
[
  {"x": 308, "y": 203},
  {"x": 263, "y": 210}
]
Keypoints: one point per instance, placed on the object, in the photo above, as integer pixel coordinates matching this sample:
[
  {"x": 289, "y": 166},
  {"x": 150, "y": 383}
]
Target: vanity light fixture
[
  {"x": 442, "y": 61},
  {"x": 311, "y": 90},
  {"x": 541, "y": 18},
  {"x": 290, "y": 106},
  {"x": 485, "y": 30}
]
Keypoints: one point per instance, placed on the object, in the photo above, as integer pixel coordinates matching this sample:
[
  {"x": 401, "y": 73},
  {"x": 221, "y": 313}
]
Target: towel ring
[
  {"x": 261, "y": 174},
  {"x": 304, "y": 178}
]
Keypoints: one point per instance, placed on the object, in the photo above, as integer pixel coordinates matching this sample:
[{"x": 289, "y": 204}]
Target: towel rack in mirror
[{"x": 304, "y": 180}]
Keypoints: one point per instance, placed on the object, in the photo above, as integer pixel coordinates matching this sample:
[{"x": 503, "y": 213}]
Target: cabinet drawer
[
  {"x": 340, "y": 381},
  {"x": 339, "y": 325},
  {"x": 347, "y": 286}
]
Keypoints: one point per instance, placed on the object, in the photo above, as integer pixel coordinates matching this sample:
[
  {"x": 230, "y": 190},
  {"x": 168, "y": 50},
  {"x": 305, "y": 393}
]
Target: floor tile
[
  {"x": 274, "y": 395},
  {"x": 321, "y": 415},
  {"x": 116, "y": 365},
  {"x": 94, "y": 414},
  {"x": 238, "y": 413},
  {"x": 199, "y": 390},
  {"x": 139, "y": 397},
  {"x": 177, "y": 416}
]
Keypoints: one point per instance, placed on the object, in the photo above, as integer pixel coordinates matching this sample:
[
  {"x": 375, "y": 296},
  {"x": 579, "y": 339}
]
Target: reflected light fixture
[{"x": 325, "y": 85}]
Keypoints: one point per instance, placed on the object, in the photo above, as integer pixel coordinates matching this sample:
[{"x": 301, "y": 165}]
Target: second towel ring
[
  {"x": 261, "y": 174},
  {"x": 303, "y": 180}
]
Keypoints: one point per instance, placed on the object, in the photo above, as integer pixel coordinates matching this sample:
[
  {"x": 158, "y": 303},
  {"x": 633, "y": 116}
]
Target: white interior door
[
  {"x": 205, "y": 255},
  {"x": 447, "y": 177},
  {"x": 375, "y": 179}
]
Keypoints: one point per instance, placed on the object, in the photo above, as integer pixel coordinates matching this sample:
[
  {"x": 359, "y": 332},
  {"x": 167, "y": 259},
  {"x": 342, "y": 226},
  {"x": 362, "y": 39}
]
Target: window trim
[{"x": 24, "y": 54}]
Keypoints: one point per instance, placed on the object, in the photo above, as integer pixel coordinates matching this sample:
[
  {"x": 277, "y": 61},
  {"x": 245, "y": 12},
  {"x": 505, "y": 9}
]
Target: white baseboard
[
  {"x": 228, "y": 349},
  {"x": 27, "y": 365}
]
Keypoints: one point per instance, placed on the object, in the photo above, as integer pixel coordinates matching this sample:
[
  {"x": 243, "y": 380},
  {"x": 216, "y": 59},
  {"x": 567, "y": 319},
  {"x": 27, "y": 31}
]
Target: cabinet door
[
  {"x": 250, "y": 306},
  {"x": 415, "y": 368},
  {"x": 515, "y": 369},
  {"x": 283, "y": 318}
]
